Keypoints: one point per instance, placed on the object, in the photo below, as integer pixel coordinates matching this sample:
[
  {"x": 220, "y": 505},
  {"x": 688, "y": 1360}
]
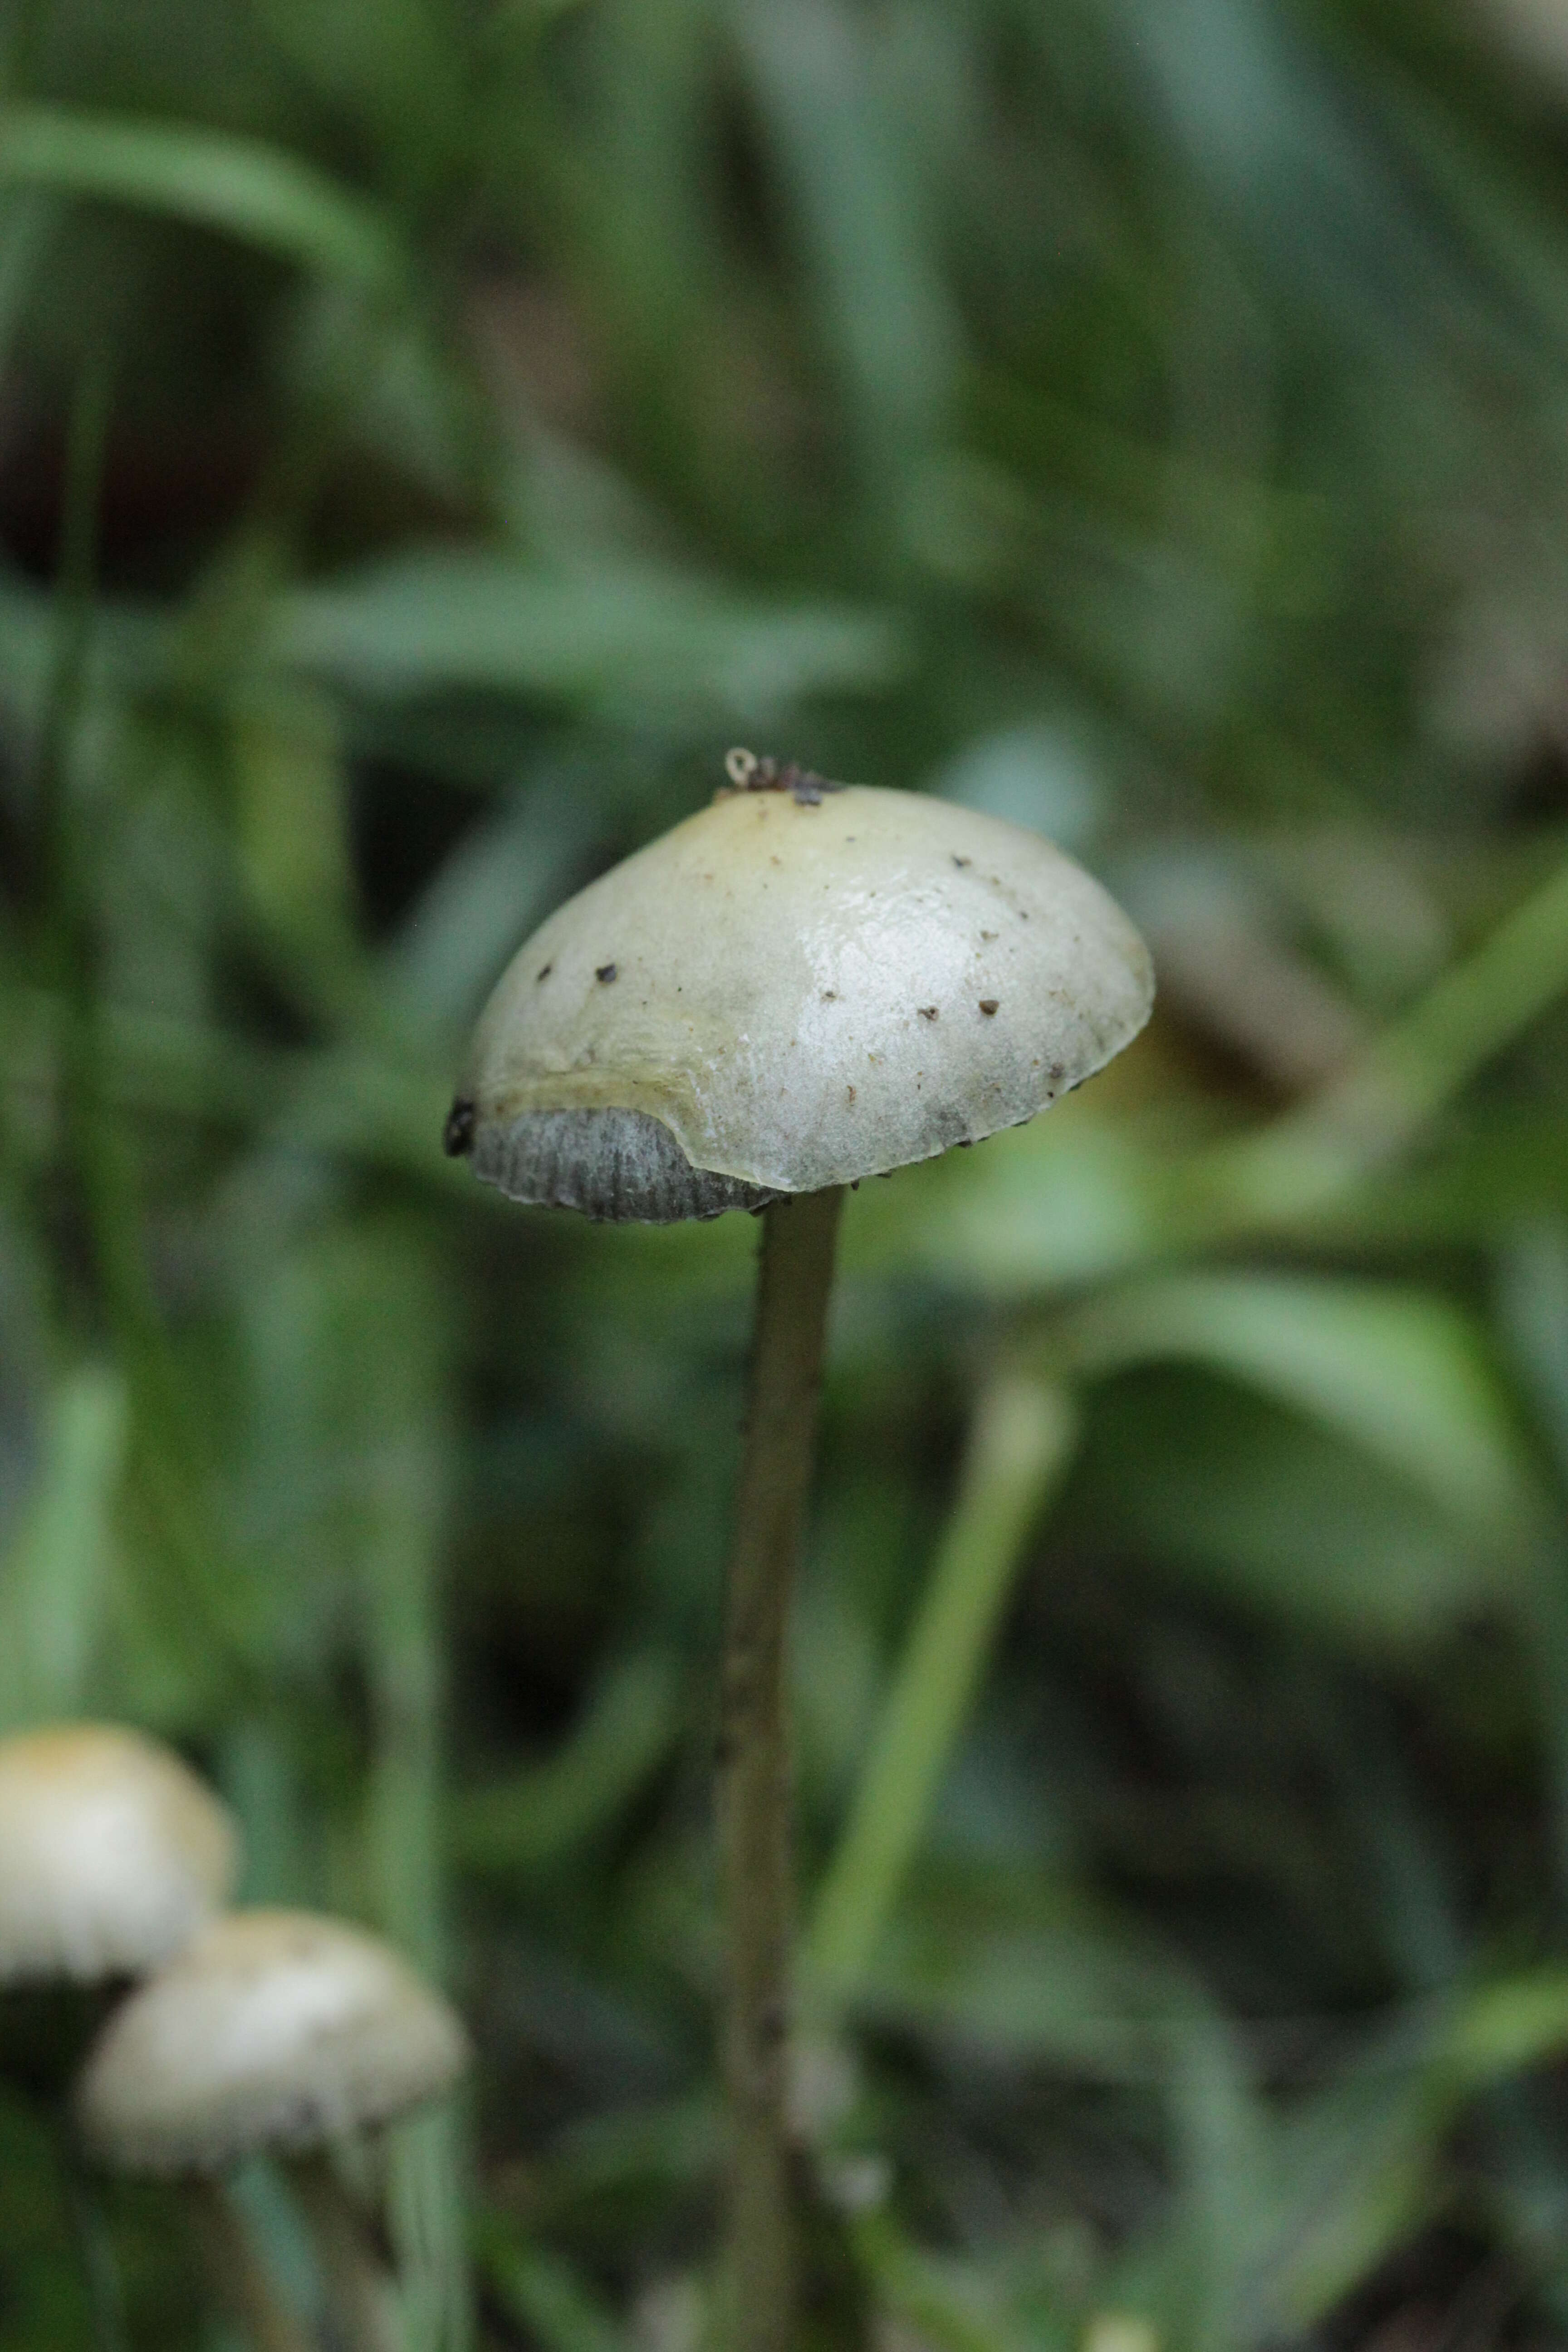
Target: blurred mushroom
[
  {"x": 112, "y": 1854},
  {"x": 1532, "y": 35},
  {"x": 277, "y": 2032},
  {"x": 802, "y": 985}
]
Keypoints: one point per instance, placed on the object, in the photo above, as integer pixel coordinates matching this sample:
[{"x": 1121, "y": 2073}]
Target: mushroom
[
  {"x": 112, "y": 1854},
  {"x": 802, "y": 985},
  {"x": 274, "y": 2032}
]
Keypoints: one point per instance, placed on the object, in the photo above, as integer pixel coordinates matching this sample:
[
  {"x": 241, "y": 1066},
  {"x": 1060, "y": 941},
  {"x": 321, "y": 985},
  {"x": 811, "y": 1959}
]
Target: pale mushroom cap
[
  {"x": 272, "y": 2030},
  {"x": 111, "y": 1853},
  {"x": 800, "y": 993}
]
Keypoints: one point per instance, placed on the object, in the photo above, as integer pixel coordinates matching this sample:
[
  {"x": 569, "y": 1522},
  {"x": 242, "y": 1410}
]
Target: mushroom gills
[{"x": 621, "y": 1167}]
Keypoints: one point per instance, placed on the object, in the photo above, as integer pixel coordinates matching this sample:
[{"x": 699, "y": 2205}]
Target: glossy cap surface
[
  {"x": 111, "y": 1853},
  {"x": 782, "y": 994},
  {"x": 272, "y": 2030}
]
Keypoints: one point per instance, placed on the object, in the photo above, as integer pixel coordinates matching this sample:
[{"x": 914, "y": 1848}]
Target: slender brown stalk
[
  {"x": 361, "y": 2292},
  {"x": 239, "y": 2277},
  {"x": 794, "y": 1279}
]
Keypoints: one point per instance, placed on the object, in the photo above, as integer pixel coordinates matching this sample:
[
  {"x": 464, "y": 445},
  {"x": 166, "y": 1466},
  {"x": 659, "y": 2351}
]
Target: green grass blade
[
  {"x": 1397, "y": 1371},
  {"x": 210, "y": 179},
  {"x": 1020, "y": 1444},
  {"x": 53, "y": 1584}
]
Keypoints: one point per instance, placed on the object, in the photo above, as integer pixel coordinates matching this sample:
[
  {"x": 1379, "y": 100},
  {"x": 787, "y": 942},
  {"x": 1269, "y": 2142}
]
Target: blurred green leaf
[
  {"x": 1350, "y": 2175},
  {"x": 1533, "y": 1268},
  {"x": 1073, "y": 1988},
  {"x": 1501, "y": 2027},
  {"x": 543, "y": 2294},
  {"x": 434, "y": 621},
  {"x": 57, "y": 1566},
  {"x": 1219, "y": 2133},
  {"x": 951, "y": 2305},
  {"x": 1398, "y": 1374},
  {"x": 405, "y": 85},
  {"x": 289, "y": 824},
  {"x": 628, "y": 1726},
  {"x": 1245, "y": 1499},
  {"x": 240, "y": 187},
  {"x": 821, "y": 73},
  {"x": 1021, "y": 1442},
  {"x": 1070, "y": 1198},
  {"x": 492, "y": 889}
]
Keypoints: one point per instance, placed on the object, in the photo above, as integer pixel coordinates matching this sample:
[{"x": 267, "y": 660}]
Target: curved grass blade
[{"x": 210, "y": 179}]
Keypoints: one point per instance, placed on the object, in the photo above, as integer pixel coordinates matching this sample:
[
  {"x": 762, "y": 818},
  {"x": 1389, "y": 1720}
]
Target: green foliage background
[{"x": 432, "y": 431}]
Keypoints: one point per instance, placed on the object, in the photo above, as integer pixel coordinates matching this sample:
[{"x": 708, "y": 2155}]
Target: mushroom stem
[
  {"x": 794, "y": 1282},
  {"x": 361, "y": 2292},
  {"x": 239, "y": 2277}
]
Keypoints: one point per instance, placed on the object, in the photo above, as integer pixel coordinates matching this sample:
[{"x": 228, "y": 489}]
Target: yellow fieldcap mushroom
[
  {"x": 111, "y": 1853},
  {"x": 273, "y": 2030},
  {"x": 801, "y": 986}
]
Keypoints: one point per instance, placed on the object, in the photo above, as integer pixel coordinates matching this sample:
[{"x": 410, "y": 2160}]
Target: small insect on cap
[
  {"x": 111, "y": 1853},
  {"x": 801, "y": 986},
  {"x": 273, "y": 2030}
]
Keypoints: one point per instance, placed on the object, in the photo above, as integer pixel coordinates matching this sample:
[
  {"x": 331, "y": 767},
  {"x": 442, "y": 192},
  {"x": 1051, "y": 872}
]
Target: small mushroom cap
[
  {"x": 789, "y": 993},
  {"x": 272, "y": 2030},
  {"x": 111, "y": 1853}
]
